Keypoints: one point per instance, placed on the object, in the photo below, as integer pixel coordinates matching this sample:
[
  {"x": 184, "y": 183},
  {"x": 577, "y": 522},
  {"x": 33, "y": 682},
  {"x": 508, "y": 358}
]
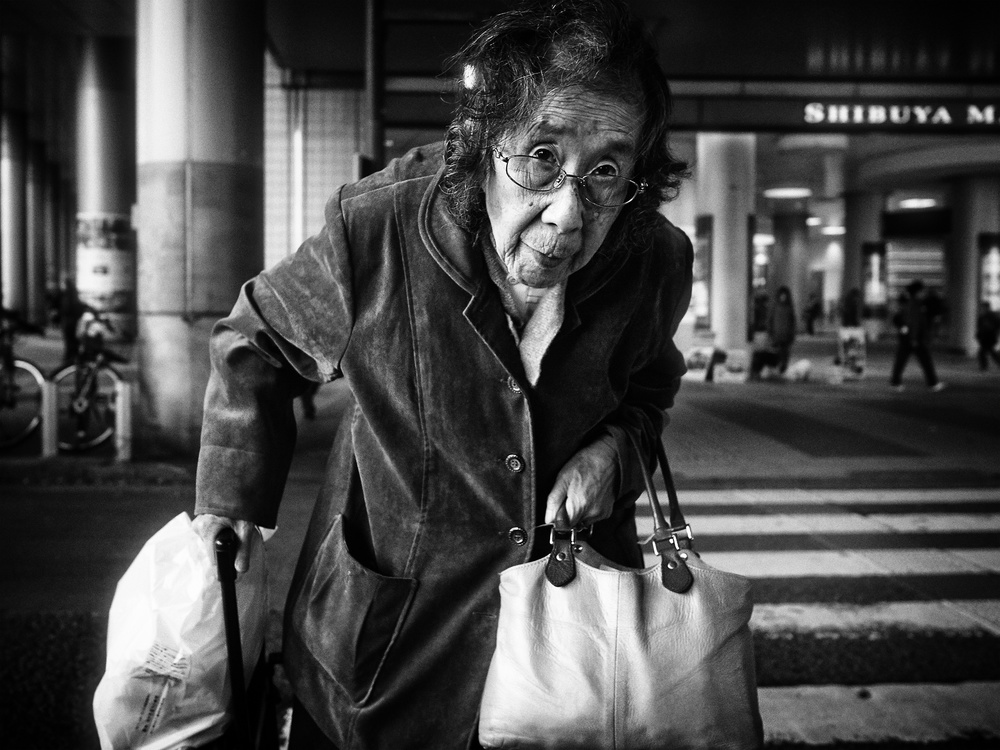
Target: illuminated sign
[{"x": 928, "y": 115}]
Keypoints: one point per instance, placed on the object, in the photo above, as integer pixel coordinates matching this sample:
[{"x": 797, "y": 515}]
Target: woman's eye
[
  {"x": 544, "y": 154},
  {"x": 605, "y": 170}
]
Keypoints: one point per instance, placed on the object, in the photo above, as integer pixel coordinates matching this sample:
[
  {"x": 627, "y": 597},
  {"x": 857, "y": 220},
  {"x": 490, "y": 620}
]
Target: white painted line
[
  {"x": 838, "y": 523},
  {"x": 988, "y": 559},
  {"x": 839, "y": 563},
  {"x": 891, "y": 497},
  {"x": 917, "y": 713},
  {"x": 922, "y": 561},
  {"x": 939, "y": 522},
  {"x": 841, "y": 618}
]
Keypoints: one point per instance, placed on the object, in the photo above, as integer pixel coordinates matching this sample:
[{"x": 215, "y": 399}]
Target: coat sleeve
[
  {"x": 290, "y": 325},
  {"x": 657, "y": 378}
]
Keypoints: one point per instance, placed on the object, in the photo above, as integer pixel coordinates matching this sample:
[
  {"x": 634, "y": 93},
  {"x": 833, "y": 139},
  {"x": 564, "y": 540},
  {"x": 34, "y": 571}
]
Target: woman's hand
[
  {"x": 208, "y": 527},
  {"x": 586, "y": 485}
]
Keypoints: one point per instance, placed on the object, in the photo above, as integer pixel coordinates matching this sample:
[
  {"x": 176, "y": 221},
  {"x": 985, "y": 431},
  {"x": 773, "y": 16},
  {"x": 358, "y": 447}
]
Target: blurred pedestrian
[
  {"x": 850, "y": 313},
  {"x": 913, "y": 336},
  {"x": 987, "y": 334},
  {"x": 781, "y": 327},
  {"x": 814, "y": 311},
  {"x": 935, "y": 312},
  {"x": 71, "y": 309}
]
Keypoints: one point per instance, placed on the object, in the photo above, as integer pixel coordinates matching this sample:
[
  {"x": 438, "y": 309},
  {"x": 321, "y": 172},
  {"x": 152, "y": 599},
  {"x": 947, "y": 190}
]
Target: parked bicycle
[
  {"x": 86, "y": 390},
  {"x": 20, "y": 384}
]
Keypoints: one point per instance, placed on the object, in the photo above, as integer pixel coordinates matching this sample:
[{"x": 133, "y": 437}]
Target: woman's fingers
[
  {"x": 208, "y": 527},
  {"x": 584, "y": 487}
]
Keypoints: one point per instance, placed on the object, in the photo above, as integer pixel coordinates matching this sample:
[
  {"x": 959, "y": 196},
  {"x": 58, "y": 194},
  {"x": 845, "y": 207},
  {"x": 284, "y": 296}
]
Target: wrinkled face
[{"x": 543, "y": 237}]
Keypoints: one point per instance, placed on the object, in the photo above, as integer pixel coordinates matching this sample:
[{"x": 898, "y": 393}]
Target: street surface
[{"x": 867, "y": 519}]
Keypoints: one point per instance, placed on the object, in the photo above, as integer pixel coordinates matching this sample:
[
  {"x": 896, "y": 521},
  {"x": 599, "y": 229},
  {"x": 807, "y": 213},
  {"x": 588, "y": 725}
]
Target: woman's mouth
[{"x": 547, "y": 260}]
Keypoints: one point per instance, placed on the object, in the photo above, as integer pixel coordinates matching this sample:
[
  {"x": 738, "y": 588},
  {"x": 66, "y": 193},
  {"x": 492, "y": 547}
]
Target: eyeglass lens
[{"x": 537, "y": 174}]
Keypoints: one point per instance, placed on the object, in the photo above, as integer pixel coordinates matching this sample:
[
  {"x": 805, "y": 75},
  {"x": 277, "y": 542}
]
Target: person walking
[
  {"x": 913, "y": 328},
  {"x": 987, "y": 334},
  {"x": 503, "y": 308},
  {"x": 781, "y": 327}
]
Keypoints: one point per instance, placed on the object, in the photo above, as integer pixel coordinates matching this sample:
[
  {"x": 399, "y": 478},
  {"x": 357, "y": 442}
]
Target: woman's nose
[{"x": 565, "y": 209}]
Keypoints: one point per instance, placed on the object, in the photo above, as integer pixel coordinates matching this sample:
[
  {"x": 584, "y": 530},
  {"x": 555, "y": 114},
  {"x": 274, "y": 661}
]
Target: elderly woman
[{"x": 502, "y": 307}]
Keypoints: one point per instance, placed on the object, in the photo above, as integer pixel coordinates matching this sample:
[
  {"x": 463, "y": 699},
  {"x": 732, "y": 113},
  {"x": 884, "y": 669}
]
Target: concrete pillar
[
  {"x": 13, "y": 169},
  {"x": 105, "y": 180},
  {"x": 726, "y": 189},
  {"x": 36, "y": 178},
  {"x": 201, "y": 196},
  {"x": 862, "y": 223},
  {"x": 975, "y": 211},
  {"x": 34, "y": 201},
  {"x": 790, "y": 258}
]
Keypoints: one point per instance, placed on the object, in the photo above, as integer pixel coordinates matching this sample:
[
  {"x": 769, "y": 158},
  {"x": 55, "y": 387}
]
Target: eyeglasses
[{"x": 542, "y": 176}]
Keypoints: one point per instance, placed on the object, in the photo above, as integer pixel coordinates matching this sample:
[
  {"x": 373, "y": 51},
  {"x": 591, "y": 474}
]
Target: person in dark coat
[
  {"x": 781, "y": 325},
  {"x": 503, "y": 308},
  {"x": 913, "y": 328},
  {"x": 987, "y": 335}
]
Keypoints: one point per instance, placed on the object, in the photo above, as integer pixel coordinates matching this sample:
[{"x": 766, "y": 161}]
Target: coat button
[
  {"x": 518, "y": 535},
  {"x": 512, "y": 384},
  {"x": 514, "y": 463}
]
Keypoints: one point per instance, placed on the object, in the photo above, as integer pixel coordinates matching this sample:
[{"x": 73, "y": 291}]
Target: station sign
[
  {"x": 926, "y": 115},
  {"x": 798, "y": 114}
]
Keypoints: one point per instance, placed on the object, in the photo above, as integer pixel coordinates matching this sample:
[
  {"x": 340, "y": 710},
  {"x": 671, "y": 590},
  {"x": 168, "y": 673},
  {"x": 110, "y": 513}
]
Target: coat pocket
[{"x": 349, "y": 616}]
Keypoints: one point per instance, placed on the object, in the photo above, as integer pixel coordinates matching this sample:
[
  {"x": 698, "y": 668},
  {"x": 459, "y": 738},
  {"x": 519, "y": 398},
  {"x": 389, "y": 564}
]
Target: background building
[{"x": 162, "y": 151}]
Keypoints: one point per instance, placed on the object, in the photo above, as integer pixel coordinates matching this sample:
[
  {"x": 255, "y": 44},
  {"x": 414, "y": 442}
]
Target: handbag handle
[{"x": 668, "y": 543}]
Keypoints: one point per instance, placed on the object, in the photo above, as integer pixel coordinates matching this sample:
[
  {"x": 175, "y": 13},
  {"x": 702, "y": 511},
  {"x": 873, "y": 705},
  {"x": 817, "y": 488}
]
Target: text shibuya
[{"x": 929, "y": 115}]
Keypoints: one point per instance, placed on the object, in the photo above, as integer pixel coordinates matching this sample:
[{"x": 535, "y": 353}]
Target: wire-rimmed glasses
[{"x": 543, "y": 176}]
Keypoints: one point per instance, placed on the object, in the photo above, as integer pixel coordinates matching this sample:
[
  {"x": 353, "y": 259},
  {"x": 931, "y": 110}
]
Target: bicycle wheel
[
  {"x": 86, "y": 406},
  {"x": 20, "y": 402}
]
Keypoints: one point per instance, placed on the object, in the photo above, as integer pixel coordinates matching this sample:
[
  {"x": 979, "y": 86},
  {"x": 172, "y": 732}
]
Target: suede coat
[{"x": 391, "y": 619}]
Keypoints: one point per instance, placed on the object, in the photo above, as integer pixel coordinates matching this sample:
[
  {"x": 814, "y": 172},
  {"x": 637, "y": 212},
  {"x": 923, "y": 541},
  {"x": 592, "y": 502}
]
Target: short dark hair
[{"x": 519, "y": 56}]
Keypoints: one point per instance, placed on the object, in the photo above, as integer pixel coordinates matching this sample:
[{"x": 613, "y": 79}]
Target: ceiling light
[
  {"x": 917, "y": 203},
  {"x": 814, "y": 221},
  {"x": 788, "y": 192},
  {"x": 763, "y": 239},
  {"x": 833, "y": 230}
]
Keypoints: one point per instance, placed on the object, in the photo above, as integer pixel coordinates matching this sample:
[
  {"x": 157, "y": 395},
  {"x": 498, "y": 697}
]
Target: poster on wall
[
  {"x": 989, "y": 279},
  {"x": 701, "y": 288},
  {"x": 105, "y": 268}
]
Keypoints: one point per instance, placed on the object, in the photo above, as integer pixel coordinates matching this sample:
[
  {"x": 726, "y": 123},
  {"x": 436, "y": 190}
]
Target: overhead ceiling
[
  {"x": 927, "y": 42},
  {"x": 913, "y": 40}
]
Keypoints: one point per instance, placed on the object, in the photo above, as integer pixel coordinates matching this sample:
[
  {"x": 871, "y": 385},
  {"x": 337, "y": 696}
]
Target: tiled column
[
  {"x": 976, "y": 211},
  {"x": 200, "y": 197},
  {"x": 726, "y": 185}
]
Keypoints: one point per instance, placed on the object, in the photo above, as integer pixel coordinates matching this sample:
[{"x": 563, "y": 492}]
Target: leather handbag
[{"x": 591, "y": 654}]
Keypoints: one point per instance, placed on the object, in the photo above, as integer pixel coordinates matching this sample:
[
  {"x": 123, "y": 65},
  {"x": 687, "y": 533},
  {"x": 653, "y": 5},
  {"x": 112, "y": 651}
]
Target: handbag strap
[{"x": 668, "y": 542}]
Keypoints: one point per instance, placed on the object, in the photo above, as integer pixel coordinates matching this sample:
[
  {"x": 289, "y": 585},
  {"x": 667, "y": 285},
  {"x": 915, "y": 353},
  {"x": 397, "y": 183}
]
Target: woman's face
[{"x": 543, "y": 237}]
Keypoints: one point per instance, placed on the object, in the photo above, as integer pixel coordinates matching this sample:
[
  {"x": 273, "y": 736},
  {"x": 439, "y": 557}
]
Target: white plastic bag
[{"x": 166, "y": 682}]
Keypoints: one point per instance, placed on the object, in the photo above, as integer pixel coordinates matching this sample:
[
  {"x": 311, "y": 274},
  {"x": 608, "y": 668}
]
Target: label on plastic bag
[
  {"x": 166, "y": 662},
  {"x": 152, "y": 709}
]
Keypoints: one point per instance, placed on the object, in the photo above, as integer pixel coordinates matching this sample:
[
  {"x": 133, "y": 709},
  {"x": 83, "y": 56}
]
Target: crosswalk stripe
[
  {"x": 843, "y": 523},
  {"x": 825, "y": 617},
  {"x": 777, "y": 497}
]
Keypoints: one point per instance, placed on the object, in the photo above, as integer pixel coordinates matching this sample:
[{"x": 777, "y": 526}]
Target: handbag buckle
[
  {"x": 688, "y": 536},
  {"x": 581, "y": 533},
  {"x": 672, "y": 535}
]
